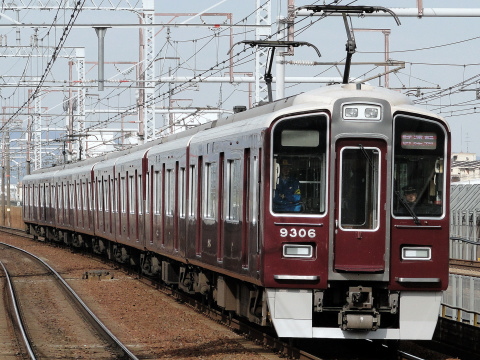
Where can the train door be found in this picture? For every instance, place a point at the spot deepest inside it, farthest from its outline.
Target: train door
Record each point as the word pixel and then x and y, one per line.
pixel 360 198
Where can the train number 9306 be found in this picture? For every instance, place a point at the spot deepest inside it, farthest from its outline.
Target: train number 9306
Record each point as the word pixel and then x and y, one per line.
pixel 297 233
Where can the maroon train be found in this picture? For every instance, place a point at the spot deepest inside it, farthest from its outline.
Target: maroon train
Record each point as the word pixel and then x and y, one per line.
pixel 345 255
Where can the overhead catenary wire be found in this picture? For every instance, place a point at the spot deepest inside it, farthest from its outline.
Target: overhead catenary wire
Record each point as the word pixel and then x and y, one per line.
pixel 63 38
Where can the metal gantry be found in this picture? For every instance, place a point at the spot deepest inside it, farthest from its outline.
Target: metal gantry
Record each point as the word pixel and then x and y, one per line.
pixel 263 17
pixel 149 100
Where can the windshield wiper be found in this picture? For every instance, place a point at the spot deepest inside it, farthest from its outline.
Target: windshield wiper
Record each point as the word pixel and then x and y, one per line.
pixel 409 209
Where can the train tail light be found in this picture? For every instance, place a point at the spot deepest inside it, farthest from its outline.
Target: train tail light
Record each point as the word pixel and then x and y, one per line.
pixel 297 250
pixel 416 253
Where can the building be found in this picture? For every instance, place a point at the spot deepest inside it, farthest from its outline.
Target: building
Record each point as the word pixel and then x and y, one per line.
pixel 465 167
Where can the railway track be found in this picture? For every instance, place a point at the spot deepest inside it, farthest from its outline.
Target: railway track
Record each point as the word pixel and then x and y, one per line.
pixel 465 264
pixel 284 349
pixel 52 320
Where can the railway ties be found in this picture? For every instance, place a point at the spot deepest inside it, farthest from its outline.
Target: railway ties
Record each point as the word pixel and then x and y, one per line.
pixel 51 320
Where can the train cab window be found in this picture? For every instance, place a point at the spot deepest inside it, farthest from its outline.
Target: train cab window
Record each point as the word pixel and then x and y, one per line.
pixel 299 165
pixel 419 163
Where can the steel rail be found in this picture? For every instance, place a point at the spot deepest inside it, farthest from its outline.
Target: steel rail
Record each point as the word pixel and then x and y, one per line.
pixel 18 318
pixel 465 264
pixel 407 356
pixel 87 310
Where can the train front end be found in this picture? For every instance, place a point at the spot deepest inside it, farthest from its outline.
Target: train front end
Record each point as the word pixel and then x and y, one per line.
pixel 356 216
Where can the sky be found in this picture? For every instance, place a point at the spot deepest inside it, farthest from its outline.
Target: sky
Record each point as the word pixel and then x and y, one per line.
pixel 441 73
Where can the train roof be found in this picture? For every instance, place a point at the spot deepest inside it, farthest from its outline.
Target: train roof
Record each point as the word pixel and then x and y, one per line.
pixel 255 119
pixel 324 98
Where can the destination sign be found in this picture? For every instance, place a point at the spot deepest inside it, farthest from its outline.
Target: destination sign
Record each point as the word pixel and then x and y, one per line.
pixel 419 140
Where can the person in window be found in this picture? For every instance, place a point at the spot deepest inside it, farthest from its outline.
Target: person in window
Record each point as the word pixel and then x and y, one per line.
pixel 410 194
pixel 287 193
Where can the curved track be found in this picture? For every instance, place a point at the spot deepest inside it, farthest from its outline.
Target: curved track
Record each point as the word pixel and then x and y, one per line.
pixel 57 324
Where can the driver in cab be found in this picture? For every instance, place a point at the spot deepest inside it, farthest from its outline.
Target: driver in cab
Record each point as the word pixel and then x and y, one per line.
pixel 287 192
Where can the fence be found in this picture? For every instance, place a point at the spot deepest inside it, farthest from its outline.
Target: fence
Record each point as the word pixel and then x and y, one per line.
pixel 461 301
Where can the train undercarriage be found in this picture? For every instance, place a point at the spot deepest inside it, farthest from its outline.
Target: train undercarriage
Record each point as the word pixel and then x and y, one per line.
pixel 229 294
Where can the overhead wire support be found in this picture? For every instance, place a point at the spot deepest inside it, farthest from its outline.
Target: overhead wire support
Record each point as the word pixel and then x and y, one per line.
pixel 272 44
pixel 344 11
pixel 361 10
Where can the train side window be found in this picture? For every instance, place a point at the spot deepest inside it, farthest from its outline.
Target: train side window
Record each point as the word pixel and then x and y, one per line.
pixel 65 196
pixel 113 195
pixel 210 185
pixel 100 195
pixel 52 195
pixel 78 194
pixel 157 193
pixel 255 188
pixel 35 196
pixel 147 193
pixel 65 202
pixel 123 194
pixel 192 196
pixel 60 196
pixel 25 195
pixel 419 163
pixel 233 190
pixel 139 194
pixel 181 192
pixel 298 165
pixel 72 195
pixel 131 194
pixel 169 192
pixel 42 195
pixel 108 194
pixel 83 195
pixel 90 195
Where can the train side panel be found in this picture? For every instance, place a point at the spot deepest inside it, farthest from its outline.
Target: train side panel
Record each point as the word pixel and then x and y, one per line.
pixel 224 219
pixel 104 193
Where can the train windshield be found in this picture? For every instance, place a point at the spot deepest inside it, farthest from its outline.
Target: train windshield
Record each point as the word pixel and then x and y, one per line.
pixel 419 164
pixel 298 165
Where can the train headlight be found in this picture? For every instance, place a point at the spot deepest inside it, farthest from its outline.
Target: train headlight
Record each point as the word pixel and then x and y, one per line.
pixel 297 250
pixel 362 112
pixel 416 253
pixel 351 112
pixel 371 113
